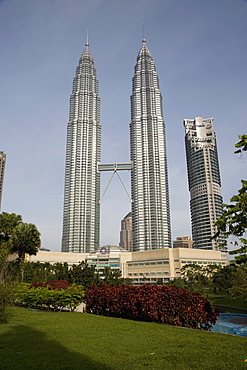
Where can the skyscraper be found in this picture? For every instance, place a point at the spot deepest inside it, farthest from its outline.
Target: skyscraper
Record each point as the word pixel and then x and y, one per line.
pixel 126 233
pixel 2 169
pixel 204 181
pixel 149 177
pixel 81 215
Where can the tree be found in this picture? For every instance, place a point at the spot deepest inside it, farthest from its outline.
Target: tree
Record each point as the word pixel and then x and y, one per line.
pixel 8 221
pixel 223 279
pixel 234 218
pixel 25 239
pixel 239 284
pixel 84 275
pixel 112 277
pixel 194 276
pixel 242 144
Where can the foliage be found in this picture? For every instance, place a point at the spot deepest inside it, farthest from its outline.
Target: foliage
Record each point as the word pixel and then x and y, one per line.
pixel 179 283
pixel 223 279
pixel 15 236
pixel 51 285
pixel 4 301
pixel 242 144
pixel 234 218
pixel 81 274
pixel 4 252
pixel 25 239
pixel 112 277
pixel 84 275
pixel 45 298
pixel 7 224
pixel 162 304
pixel 238 288
pixel 37 271
pixel 195 277
pixel 8 221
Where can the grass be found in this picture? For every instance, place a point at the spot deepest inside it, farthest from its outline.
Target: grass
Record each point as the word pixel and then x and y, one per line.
pixel 222 299
pixel 69 340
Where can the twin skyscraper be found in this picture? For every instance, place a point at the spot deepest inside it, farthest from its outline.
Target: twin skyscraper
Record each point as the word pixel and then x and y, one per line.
pixel 151 227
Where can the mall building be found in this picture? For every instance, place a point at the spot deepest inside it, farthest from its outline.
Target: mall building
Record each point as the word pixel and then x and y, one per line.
pixel 141 267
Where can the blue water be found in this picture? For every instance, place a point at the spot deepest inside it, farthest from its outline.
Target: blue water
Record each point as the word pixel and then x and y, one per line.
pixel 226 327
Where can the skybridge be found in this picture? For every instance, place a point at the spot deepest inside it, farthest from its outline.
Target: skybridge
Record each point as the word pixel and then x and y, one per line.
pixel 115 167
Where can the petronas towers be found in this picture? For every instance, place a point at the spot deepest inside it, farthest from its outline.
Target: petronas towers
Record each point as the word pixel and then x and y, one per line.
pixel 149 180
pixel 81 215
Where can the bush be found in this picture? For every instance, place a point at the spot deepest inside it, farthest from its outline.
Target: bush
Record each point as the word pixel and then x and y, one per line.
pixel 4 301
pixel 52 285
pixel 46 298
pixel 162 304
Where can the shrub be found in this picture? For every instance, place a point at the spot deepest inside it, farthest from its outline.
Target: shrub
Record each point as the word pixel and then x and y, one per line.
pixel 52 285
pixel 162 304
pixel 45 298
pixel 5 293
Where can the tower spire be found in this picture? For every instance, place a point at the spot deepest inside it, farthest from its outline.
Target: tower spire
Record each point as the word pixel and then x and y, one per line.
pixel 143 36
pixel 87 43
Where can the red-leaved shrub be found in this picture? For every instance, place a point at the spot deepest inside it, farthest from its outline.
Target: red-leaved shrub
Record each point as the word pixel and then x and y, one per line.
pixel 52 285
pixel 162 304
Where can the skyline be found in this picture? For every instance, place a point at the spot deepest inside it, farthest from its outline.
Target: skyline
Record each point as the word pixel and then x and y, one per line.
pixel 200 56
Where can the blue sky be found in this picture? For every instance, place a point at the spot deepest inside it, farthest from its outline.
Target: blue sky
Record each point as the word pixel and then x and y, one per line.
pixel 199 49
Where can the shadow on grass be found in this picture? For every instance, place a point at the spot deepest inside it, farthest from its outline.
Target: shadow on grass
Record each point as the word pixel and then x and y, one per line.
pixel 25 348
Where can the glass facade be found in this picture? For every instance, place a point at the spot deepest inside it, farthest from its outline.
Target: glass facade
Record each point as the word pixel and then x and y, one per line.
pixel 204 181
pixel 149 177
pixel 81 215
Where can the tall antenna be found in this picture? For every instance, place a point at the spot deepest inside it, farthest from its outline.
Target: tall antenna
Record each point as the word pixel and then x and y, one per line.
pixel 143 36
pixel 87 44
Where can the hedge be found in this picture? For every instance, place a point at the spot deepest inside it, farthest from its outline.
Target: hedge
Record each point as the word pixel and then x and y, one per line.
pixel 161 304
pixel 45 298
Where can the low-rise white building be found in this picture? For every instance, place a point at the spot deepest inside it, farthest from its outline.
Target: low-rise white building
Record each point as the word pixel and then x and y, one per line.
pixel 144 266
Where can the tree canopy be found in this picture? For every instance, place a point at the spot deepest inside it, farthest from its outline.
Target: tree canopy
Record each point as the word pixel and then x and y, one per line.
pixel 8 221
pixel 234 218
pixel 25 239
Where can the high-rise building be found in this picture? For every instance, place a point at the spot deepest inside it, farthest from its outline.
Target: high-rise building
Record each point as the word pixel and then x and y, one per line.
pixel 149 177
pixel 126 233
pixel 204 181
pixel 81 215
pixel 183 242
pixel 2 169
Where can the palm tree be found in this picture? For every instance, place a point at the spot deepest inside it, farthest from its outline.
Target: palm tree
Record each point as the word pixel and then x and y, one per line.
pixel 8 221
pixel 25 239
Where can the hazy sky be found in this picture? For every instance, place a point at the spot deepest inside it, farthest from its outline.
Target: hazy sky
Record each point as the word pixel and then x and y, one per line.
pixel 200 52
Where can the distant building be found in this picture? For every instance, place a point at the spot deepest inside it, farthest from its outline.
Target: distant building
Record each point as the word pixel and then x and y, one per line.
pixel 183 242
pixel 2 169
pixel 126 233
pixel 204 181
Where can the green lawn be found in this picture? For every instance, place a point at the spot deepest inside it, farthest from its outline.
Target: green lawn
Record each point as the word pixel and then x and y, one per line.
pixel 48 340
pixel 223 299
